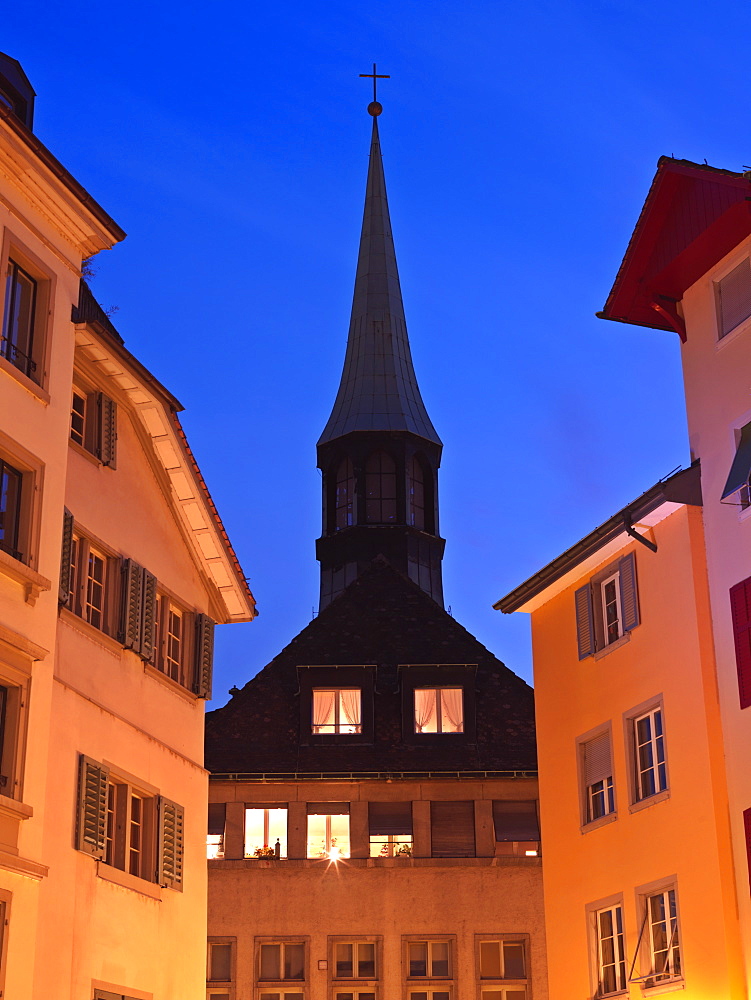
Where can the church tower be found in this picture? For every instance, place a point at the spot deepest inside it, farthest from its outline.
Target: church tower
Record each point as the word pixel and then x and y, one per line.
pixel 379 452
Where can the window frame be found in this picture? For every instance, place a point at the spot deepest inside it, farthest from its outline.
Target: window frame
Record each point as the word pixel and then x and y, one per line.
pixel 267 985
pixel 225 985
pixel 122 789
pixel 590 607
pixel 588 820
pixel 658 768
pixel 98 431
pixel 266 808
pixel 338 711
pixel 649 978
pixel 354 984
pixel 437 675
pixel 16 251
pixel 82 546
pixel 717 280
pixel 317 809
pixel 332 677
pixel 484 984
pixel 182 670
pixel 429 980
pixel 438 710
pixel 31 471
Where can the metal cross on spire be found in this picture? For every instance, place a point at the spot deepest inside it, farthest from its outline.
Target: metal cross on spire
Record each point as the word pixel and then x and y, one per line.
pixel 375 108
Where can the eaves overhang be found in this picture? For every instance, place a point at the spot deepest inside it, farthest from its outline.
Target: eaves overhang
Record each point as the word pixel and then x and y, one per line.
pixel 663 499
pixel 155 410
pixel 694 215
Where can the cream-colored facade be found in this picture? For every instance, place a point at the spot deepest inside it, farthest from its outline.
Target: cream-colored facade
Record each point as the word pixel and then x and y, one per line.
pixel 471 910
pixel 638 876
pixel 113 568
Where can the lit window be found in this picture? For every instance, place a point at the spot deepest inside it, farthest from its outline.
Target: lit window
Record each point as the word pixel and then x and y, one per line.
pixel 429 959
pixel 328 831
pixel 215 833
pixel 517 829
pixel 649 754
pixel 266 832
pixel 337 711
pixel 279 962
pixel 19 319
pixel 439 710
pixel 355 960
pixel 610 951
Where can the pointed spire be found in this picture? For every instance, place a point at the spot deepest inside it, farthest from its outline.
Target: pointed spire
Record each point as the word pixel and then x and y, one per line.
pixel 378 390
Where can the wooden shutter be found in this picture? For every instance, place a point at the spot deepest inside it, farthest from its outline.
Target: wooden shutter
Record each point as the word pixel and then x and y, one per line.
pixel 130 620
pixel 204 660
pixel 148 614
pixel 170 844
pixel 740 604
pixel 107 416
pixel 516 820
pixel 585 625
pixel 91 833
pixel 452 829
pixel 596 762
pixel 386 818
pixel 629 596
pixel 63 593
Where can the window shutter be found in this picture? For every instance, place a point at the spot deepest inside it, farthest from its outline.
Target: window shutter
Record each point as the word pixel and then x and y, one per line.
pixel 130 622
pixel 734 293
pixel 452 829
pixel 740 470
pixel 328 808
pixel 747 831
pixel 585 626
pixel 148 614
pixel 64 590
pixel 107 413
pixel 516 820
pixel 170 844
pixel 629 597
pixel 596 763
pixel 389 818
pixel 740 604
pixel 204 663
pixel 91 833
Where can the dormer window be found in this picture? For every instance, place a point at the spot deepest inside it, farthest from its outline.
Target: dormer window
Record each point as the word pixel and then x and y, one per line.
pixel 337 711
pixel 439 710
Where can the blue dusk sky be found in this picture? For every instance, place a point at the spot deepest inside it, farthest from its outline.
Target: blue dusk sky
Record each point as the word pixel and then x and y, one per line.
pixel 230 141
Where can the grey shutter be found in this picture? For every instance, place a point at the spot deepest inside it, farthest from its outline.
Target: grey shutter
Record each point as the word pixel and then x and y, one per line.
pixel 170 844
pixel 452 829
pixel 596 762
pixel 516 820
pixel 107 414
pixel 740 470
pixel 734 294
pixel 328 808
pixel 63 593
pixel 585 626
pixel 386 818
pixel 204 659
pixel 148 614
pixel 91 832
pixel 130 616
pixel 629 597
pixel 217 818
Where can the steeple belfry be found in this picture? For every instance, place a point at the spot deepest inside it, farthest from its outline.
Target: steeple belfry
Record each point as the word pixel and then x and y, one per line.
pixel 379 452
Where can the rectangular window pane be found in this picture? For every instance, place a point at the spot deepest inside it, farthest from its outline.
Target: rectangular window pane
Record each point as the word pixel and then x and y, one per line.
pixel 440 958
pixel 220 964
pixel 366 961
pixel 490 960
pixel 513 960
pixel 294 961
pixel 10 508
pixel 270 961
pixel 344 961
pixel 418 958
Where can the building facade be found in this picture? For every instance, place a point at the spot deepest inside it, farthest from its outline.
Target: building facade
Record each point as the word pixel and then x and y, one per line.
pixel 373 820
pixel 114 567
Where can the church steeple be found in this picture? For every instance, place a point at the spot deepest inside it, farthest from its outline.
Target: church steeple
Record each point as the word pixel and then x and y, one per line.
pixel 379 452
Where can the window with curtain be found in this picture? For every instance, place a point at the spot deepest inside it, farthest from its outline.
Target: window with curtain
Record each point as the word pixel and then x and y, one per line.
pixel 380 489
pixel 439 710
pixel 337 711
pixel 344 502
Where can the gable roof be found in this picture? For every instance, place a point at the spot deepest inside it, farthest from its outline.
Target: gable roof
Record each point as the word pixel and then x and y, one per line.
pixel 384 619
pixel 693 216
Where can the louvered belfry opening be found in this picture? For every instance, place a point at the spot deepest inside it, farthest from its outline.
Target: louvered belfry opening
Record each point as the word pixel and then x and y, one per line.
pixel 379 452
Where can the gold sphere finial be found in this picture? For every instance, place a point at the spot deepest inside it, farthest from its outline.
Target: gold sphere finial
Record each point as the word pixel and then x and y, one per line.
pixel 375 108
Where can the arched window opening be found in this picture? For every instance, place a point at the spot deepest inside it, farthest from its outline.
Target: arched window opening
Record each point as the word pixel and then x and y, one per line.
pixel 416 488
pixel 344 501
pixel 380 489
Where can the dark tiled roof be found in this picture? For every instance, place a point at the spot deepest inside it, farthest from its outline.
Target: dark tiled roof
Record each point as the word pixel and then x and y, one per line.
pixel 384 619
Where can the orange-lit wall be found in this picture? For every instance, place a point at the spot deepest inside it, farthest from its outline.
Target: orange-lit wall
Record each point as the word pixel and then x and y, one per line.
pixel 718 401
pixel 682 834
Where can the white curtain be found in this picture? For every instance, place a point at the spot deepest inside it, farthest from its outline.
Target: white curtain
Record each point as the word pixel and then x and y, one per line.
pixel 350 707
pixel 323 711
pixel 425 710
pixel 451 710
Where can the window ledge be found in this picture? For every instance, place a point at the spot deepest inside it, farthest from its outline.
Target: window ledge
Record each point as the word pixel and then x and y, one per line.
pixel 503 861
pixel 670 987
pixel 128 881
pixel 17 375
pixel 83 452
pixel 14 808
pixel 611 647
pixel 600 821
pixel 32 582
pixel 23 866
pixel 175 686
pixel 651 800
pixel 96 634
